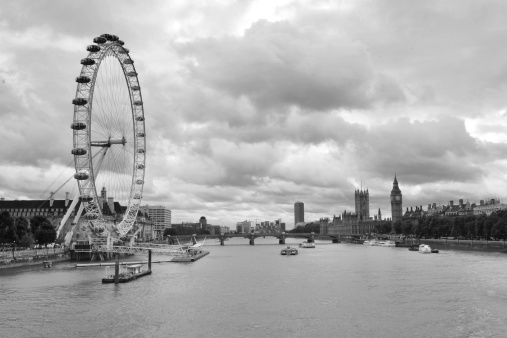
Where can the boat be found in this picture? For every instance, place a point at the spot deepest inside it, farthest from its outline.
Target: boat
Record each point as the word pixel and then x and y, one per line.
pixel 306 244
pixel 387 243
pixel 434 250
pixel 289 251
pixel 132 272
pixel 414 247
pixel 424 248
pixel 366 242
pixel 373 242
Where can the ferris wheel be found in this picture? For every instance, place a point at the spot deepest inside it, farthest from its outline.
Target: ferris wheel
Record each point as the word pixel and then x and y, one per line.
pixel 109 140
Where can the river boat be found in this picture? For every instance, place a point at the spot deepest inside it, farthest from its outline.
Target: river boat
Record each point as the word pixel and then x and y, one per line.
pixel 372 242
pixel 414 247
pixel 434 250
pixel 387 243
pixel 131 272
pixel 307 245
pixel 289 251
pixel 424 248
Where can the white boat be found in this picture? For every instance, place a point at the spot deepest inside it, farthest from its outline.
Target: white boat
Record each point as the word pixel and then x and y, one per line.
pixel 305 244
pixel 387 243
pixel 289 251
pixel 424 248
pixel 373 242
pixel 366 243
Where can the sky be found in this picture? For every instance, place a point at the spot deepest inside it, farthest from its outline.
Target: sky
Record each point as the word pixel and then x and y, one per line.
pixel 253 105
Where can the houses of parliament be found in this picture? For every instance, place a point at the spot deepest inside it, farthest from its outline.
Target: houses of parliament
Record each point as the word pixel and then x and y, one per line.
pixel 360 222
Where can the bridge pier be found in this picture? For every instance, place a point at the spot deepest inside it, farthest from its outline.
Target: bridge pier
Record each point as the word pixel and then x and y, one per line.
pixel 221 239
pixel 252 238
pixel 312 239
pixel 281 240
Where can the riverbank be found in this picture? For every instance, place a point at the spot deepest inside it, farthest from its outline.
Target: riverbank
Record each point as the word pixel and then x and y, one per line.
pixel 36 260
pixel 464 245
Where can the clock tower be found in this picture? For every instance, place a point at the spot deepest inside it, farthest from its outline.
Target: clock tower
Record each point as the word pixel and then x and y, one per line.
pixel 396 202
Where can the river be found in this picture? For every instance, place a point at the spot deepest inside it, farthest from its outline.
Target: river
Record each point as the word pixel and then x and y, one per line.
pixel 344 290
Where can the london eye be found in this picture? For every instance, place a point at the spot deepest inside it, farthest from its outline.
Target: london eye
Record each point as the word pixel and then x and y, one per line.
pixel 109 140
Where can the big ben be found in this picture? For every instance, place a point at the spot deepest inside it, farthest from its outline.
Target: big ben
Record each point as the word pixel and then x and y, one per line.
pixel 396 201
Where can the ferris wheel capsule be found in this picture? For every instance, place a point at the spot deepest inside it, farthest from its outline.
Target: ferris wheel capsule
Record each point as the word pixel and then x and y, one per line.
pixel 78 126
pixel 81 176
pixel 85 198
pixel 128 62
pixel 79 101
pixel 93 48
pixel 78 151
pixel 131 74
pixel 120 42
pixel 135 88
pixel 138 103
pixel 123 50
pixel 87 62
pixel 100 40
pixel 83 79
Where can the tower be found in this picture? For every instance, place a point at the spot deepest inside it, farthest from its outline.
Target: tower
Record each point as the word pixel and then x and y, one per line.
pixel 299 212
pixel 396 202
pixel 362 198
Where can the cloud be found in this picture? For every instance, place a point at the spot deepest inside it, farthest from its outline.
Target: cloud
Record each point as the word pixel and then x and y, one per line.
pixel 251 106
pixel 278 64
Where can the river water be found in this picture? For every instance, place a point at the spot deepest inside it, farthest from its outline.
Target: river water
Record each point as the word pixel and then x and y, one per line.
pixel 344 290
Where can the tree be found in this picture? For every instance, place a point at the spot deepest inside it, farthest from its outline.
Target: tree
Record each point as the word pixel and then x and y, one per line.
pixel 36 221
pixel 7 228
pixel 169 232
pixel 397 227
pixel 45 234
pixel 22 227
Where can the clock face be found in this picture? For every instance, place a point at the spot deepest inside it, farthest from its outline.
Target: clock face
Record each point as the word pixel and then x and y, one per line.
pixel 398 198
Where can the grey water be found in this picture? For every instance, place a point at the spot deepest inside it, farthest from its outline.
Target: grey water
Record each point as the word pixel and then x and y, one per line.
pixel 334 290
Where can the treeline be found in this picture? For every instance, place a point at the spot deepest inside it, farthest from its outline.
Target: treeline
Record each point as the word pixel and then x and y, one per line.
pixel 20 232
pixel 307 228
pixel 182 231
pixel 489 227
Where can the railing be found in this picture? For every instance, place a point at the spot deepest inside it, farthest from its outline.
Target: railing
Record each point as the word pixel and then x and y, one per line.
pixel 168 251
pixel 21 255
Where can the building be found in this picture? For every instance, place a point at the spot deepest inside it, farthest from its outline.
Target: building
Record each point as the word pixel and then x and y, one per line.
pixel 299 212
pixel 453 210
pixel 203 223
pixel 358 223
pixel 362 202
pixel 160 216
pixel 489 207
pixel 244 227
pixel 396 202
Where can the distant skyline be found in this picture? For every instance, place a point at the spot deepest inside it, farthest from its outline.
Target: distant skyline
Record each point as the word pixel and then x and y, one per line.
pixel 251 106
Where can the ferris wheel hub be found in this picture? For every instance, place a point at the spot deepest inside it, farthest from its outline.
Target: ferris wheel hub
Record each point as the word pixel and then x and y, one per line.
pixel 107 143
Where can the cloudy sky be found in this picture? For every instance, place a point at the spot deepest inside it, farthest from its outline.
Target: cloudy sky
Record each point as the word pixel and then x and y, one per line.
pixel 254 105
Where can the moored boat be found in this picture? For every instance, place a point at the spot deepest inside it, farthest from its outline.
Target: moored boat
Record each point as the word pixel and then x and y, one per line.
pixel 424 248
pixel 413 247
pixel 289 251
pixel 434 250
pixel 387 243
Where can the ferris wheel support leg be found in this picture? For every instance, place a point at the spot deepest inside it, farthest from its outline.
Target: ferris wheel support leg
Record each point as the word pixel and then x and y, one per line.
pixel 69 235
pixel 67 214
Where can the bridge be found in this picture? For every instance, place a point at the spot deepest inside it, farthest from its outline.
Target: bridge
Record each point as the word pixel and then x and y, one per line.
pixel 310 237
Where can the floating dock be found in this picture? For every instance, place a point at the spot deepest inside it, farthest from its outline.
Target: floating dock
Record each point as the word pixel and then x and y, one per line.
pixel 192 258
pixel 133 272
